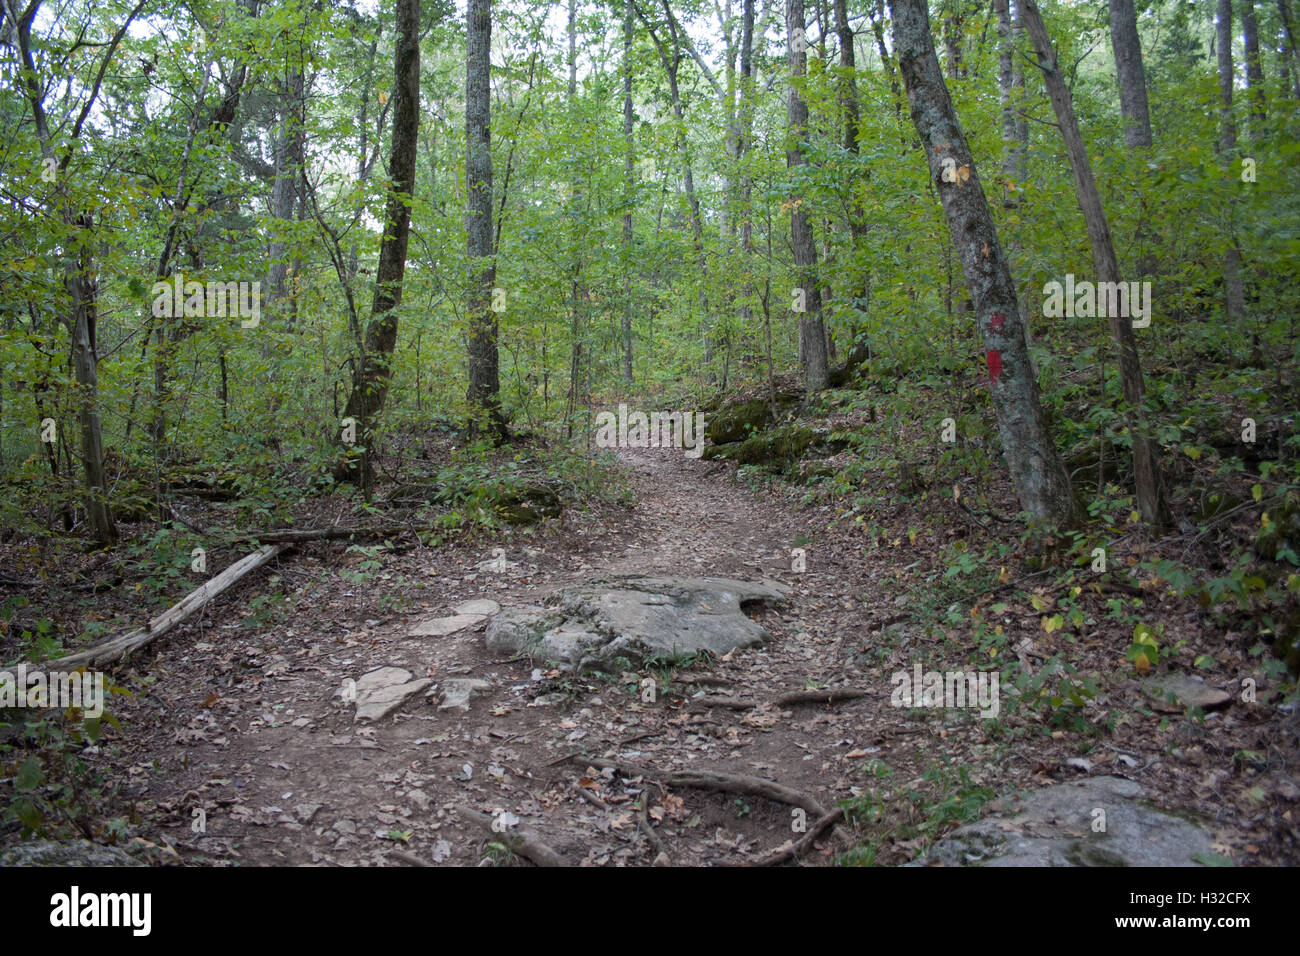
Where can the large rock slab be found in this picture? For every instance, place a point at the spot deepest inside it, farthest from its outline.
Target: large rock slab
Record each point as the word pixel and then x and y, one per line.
pixel 466 614
pixel 636 617
pixel 1058 826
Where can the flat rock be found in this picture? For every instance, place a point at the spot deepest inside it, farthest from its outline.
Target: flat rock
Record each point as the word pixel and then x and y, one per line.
pixel 480 606
pixel 382 691
pixel 466 614
pixel 637 617
pixel 1185 690
pixel 75 853
pixel 456 692
pixel 1055 827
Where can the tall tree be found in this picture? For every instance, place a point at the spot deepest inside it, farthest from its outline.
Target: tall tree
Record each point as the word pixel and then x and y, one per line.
pixel 1234 294
pixel 1145 469
pixel 1037 472
pixel 374 372
pixel 484 378
pixel 1127 47
pixel 812 332
pixel 629 187
pixel 1254 69
pixel 79 268
pixel 848 97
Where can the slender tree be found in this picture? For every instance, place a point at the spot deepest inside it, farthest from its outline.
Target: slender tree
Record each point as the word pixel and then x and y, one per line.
pixel 1037 471
pixel 374 373
pixel 1145 469
pixel 812 332
pixel 484 378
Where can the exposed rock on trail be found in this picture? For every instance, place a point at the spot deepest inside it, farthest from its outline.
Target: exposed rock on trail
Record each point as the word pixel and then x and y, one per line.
pixel 1097 822
pixel 638 618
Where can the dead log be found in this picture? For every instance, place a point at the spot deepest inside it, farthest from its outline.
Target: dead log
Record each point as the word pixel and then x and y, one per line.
pixel 116 648
pixel 299 535
pixel 830 696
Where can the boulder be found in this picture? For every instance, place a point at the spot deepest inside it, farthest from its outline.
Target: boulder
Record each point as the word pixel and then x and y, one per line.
pixel 1096 822
pixel 635 617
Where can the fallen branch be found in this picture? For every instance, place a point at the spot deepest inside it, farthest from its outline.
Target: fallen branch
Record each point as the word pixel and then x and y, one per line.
pixel 299 535
pixel 832 696
pixel 116 648
pixel 519 840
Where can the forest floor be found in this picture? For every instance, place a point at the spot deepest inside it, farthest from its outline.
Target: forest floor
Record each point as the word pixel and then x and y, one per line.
pixel 244 718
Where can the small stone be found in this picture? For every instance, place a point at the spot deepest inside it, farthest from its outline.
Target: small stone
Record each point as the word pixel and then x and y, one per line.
pixel 456 692
pixel 306 812
pixel 1186 691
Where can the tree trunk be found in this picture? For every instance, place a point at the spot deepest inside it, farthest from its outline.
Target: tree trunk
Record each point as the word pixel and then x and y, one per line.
pixel 1254 69
pixel 1234 293
pixel 1037 472
pixel 1145 470
pixel 484 376
pixel 860 288
pixel 1287 13
pixel 373 373
pixel 1127 47
pixel 812 333
pixel 1131 77
pixel 629 188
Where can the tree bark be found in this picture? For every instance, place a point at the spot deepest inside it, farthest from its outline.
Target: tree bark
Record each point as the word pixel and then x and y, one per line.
pixel 1234 293
pixel 1127 47
pixel 1039 476
pixel 484 374
pixel 373 372
pixel 812 331
pixel 1145 469
pixel 860 283
pixel 1254 69
pixel 629 187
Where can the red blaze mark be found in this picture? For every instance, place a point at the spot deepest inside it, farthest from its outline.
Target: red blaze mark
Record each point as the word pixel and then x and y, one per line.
pixel 994 358
pixel 997 319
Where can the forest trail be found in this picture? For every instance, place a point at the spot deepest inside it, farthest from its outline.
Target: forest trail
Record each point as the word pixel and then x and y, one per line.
pixel 249 726
pixel 248 723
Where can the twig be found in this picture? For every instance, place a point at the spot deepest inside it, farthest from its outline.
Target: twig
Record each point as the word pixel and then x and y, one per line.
pixel 643 823
pixel 410 858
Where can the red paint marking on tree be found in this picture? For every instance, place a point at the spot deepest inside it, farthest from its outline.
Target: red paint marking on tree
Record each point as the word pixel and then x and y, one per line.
pixel 997 319
pixel 994 358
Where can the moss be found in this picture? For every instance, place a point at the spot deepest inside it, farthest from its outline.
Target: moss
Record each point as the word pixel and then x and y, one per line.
pixel 776 448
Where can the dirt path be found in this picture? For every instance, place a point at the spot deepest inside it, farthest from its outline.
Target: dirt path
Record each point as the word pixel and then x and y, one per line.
pixel 246 720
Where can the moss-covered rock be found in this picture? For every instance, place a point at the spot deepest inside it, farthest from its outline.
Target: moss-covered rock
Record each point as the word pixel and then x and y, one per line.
pixel 775 448
pixel 737 421
pixel 529 504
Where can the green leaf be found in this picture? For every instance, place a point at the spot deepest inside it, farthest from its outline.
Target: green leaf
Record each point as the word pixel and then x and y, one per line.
pixel 30 775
